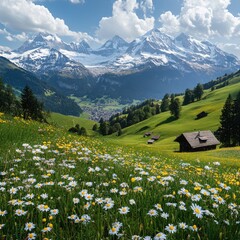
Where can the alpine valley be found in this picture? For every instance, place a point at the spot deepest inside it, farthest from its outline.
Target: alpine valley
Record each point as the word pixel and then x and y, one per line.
pixel 147 67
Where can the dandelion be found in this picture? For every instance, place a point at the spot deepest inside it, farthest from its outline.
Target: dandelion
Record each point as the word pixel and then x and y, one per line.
pixel 29 226
pixel 160 236
pixel 124 210
pixel 152 213
pixel 197 210
pixel 171 228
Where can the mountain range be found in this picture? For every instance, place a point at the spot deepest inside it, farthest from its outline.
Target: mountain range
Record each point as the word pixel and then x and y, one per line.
pixel 148 67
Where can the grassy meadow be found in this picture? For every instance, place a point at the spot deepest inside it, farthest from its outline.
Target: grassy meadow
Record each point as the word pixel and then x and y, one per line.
pixel 56 185
pixel 168 128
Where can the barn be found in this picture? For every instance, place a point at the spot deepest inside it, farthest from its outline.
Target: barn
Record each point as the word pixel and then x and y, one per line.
pixel 197 141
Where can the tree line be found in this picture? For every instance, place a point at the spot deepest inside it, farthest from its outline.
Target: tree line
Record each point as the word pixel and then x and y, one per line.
pixel 229 131
pixel 27 106
pixel 137 113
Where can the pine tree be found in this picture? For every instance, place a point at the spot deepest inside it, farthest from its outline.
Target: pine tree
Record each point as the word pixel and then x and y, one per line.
pixel 31 107
pixel 95 127
pixel 226 121
pixel 165 103
pixel 198 91
pixel 175 107
pixel 188 96
pixel 236 121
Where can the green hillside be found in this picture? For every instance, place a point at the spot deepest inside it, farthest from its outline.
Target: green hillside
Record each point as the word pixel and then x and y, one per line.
pixel 166 126
pixel 67 122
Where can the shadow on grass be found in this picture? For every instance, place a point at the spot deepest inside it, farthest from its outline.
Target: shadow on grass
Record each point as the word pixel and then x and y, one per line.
pixel 168 120
pixel 143 129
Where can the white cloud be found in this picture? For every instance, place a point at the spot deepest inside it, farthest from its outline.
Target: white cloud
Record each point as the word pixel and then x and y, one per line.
pixel 77 1
pixel 147 5
pixel 124 21
pixel 170 23
pixel 25 16
pixel 233 48
pixel 202 18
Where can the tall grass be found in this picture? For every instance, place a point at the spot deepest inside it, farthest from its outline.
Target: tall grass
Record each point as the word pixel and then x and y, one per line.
pixel 58 186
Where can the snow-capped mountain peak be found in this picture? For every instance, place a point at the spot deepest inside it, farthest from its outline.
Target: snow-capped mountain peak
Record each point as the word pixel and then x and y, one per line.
pixel 115 43
pixel 112 46
pixel 43 40
pixel 82 47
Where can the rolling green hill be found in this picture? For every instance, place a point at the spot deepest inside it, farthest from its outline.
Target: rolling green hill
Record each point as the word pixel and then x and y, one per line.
pixel 53 101
pixel 66 122
pixel 169 128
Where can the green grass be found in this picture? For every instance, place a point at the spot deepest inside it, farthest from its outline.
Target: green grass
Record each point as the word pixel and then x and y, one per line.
pixel 169 128
pixel 67 122
pixel 55 167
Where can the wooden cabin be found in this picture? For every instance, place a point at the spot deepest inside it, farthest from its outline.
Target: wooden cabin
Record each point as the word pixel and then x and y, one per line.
pixel 197 141
pixel 150 141
pixel 147 134
pixel 155 138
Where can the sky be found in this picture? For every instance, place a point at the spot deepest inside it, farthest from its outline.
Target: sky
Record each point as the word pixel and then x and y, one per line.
pixel 99 20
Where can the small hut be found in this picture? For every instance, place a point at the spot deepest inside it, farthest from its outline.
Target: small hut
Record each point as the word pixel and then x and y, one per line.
pixel 150 141
pixel 155 138
pixel 147 134
pixel 197 141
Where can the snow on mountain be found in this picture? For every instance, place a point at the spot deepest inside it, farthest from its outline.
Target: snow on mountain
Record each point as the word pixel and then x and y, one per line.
pixel 112 46
pixel 43 40
pixel 152 49
pixel 82 47
pixel 159 49
pixel 155 56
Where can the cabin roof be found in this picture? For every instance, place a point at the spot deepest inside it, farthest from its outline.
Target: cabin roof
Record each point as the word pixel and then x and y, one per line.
pixel 198 139
pixel 155 137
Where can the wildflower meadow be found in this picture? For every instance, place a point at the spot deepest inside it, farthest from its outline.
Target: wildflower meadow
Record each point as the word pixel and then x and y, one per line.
pixel 86 188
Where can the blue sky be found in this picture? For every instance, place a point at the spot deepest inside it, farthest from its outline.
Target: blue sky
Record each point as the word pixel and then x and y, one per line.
pixel 98 20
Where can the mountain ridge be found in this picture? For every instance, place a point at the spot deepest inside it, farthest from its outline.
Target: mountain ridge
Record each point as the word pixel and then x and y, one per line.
pixel 151 64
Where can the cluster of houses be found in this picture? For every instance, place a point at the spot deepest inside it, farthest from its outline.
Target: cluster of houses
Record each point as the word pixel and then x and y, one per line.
pixel 152 139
